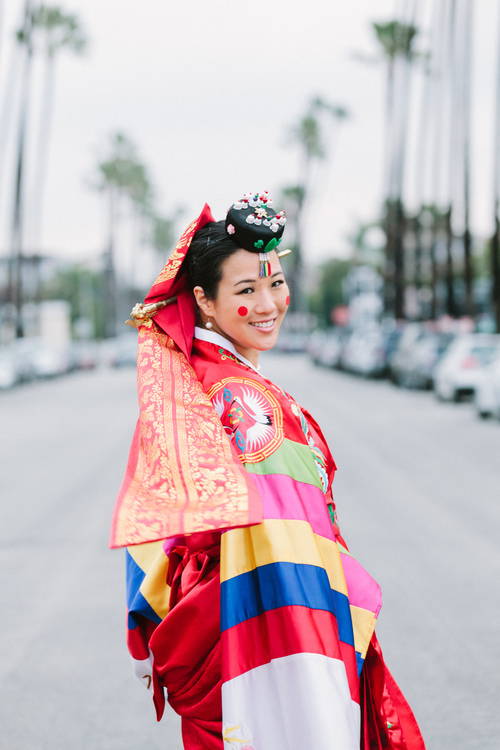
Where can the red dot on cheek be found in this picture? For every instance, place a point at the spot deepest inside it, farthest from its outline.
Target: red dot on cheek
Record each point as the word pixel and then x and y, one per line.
pixel 287 301
pixel 242 311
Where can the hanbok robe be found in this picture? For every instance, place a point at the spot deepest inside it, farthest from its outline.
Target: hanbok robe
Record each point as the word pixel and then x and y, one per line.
pixel 261 635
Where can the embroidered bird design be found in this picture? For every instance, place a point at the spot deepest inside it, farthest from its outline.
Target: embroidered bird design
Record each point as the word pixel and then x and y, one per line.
pixel 246 416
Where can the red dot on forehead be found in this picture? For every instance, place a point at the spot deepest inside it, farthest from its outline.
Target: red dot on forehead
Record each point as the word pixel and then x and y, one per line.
pixel 242 311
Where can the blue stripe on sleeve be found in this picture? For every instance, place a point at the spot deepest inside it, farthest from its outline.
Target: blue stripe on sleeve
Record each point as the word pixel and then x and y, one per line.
pixel 283 584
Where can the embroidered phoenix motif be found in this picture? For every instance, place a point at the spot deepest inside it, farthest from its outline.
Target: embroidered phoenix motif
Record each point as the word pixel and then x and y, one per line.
pixel 250 415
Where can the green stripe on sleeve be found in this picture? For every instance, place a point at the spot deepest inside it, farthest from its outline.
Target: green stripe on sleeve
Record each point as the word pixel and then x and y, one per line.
pixel 292 459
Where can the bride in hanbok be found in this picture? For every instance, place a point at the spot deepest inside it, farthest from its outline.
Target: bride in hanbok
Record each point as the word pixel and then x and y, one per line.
pixel 247 612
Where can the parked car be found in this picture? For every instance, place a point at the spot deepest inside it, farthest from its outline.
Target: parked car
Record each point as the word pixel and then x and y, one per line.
pixel 332 346
pixel 417 371
pixel 364 352
pixel 315 344
pixel 487 392
pixel 391 339
pixel 398 361
pixel 9 374
pixel 459 371
pixel 23 351
pixel 293 342
pixel 50 360
pixel 83 355
pixel 125 351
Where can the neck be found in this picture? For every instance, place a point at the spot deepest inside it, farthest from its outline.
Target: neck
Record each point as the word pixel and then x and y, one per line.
pixel 252 355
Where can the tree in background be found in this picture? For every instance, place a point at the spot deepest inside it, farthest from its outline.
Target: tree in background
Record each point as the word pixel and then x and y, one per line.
pixel 396 40
pixel 455 22
pixel 125 182
pixel 54 32
pixel 15 289
pixel 163 234
pixel 495 240
pixel 60 30
pixel 308 135
pixel 120 176
pixel 83 289
pixel 329 292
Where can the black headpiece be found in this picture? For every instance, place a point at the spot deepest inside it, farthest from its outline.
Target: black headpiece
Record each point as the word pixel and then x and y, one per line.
pixel 255 226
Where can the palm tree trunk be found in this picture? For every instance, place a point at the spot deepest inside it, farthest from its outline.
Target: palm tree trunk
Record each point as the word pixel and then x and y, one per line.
pixel 17 224
pixel 451 306
pixel 467 23
pixel 495 240
pixel 434 272
pixel 388 219
pixel 8 104
pixel 297 294
pixel 422 171
pixel 42 149
pixel 110 291
pixel 438 161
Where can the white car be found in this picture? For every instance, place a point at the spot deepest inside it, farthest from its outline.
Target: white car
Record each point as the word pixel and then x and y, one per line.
pixel 487 394
pixel 460 370
pixel 9 375
pixel 326 347
pixel 364 353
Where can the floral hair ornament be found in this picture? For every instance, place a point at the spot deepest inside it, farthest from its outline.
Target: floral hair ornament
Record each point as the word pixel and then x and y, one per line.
pixel 254 225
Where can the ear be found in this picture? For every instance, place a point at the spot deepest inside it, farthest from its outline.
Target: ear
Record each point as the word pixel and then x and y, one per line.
pixel 206 305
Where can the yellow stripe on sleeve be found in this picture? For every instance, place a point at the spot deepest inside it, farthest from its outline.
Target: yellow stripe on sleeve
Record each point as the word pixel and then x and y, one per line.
pixel 276 540
pixel 151 558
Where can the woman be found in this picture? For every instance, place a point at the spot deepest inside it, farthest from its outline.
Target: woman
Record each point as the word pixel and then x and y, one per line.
pixel 245 606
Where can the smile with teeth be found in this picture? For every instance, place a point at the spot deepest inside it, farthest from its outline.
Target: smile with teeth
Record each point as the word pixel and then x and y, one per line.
pixel 264 324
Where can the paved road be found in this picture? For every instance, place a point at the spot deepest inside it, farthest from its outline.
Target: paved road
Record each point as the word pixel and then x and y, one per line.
pixel 418 496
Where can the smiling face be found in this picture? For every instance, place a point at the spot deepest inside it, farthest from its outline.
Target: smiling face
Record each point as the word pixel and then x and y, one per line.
pixel 247 310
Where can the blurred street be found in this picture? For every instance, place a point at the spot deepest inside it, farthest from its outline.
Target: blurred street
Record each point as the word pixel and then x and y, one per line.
pixel 417 493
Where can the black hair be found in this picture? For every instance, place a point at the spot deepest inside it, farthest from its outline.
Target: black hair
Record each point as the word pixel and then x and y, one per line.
pixel 209 248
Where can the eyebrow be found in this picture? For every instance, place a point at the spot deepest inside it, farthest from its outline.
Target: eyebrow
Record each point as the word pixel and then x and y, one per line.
pixel 252 281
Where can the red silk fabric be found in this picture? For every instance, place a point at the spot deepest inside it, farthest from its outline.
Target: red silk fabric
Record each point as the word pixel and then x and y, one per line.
pixel 183 474
pixel 178 318
pixel 186 645
pixel 186 648
pixel 387 721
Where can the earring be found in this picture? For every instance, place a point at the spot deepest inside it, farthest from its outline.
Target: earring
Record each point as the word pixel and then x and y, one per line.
pixel 208 324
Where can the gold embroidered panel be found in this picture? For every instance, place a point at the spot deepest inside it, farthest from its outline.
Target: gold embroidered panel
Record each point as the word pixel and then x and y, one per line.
pixel 182 475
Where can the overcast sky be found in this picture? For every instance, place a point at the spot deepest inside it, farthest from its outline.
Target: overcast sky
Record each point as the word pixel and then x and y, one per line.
pixel 208 91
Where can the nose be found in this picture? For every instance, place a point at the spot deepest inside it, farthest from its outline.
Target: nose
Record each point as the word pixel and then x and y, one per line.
pixel 265 303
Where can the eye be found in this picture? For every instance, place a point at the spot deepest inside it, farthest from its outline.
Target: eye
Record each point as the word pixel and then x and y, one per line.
pixel 278 282
pixel 247 290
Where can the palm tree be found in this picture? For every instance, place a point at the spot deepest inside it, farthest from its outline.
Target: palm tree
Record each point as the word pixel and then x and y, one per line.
pixel 125 182
pixel 24 36
pixel 140 196
pixel 113 180
pixel 397 41
pixel 291 198
pixel 495 240
pixel 449 21
pixel 55 31
pixel 464 117
pixel 434 211
pixel 308 135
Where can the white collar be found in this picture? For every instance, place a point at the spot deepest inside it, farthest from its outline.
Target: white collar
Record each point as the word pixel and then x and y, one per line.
pixel 204 334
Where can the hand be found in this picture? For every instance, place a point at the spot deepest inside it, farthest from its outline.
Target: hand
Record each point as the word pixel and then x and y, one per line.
pixel 143 670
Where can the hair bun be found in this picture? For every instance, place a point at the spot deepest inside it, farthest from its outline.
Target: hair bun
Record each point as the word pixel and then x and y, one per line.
pixel 254 225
